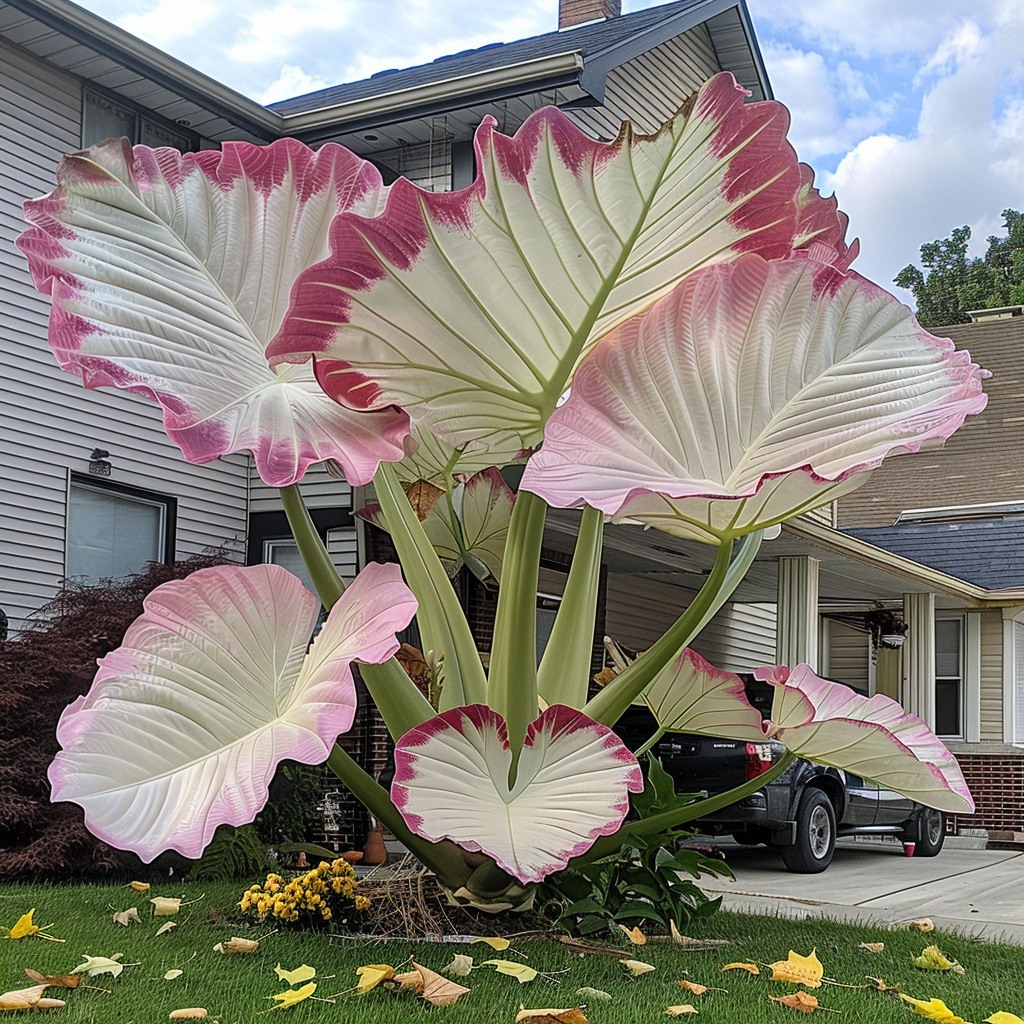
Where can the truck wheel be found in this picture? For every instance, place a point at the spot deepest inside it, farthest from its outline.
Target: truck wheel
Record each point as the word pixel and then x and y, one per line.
pixel 815 835
pixel 927 832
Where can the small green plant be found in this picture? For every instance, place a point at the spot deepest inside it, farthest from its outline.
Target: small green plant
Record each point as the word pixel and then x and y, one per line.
pixel 233 853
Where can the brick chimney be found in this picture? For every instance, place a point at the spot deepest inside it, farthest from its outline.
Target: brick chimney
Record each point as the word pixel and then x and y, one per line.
pixel 577 12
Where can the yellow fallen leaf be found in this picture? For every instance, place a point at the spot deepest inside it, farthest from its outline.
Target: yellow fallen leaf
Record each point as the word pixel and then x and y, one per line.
pixel 573 1015
pixel 521 972
pixel 141 887
pixel 292 996
pixel 802 1001
pixel 460 967
pixel 1002 1017
pixel 752 968
pixel 189 1013
pixel 933 959
pixel 637 967
pixel 800 970
pixel 439 991
pixel 872 947
pixel 175 972
pixel 635 935
pixel 234 946
pixel 26 928
pixel 165 906
pixel 697 990
pixel 296 977
pixel 371 975
pixel 54 981
pixel 925 924
pixel 496 943
pixel 933 1009
pixel 678 1011
pixel 28 999
pixel 125 917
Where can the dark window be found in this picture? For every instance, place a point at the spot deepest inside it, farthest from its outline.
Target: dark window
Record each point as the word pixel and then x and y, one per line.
pixel 949 676
pixel 104 117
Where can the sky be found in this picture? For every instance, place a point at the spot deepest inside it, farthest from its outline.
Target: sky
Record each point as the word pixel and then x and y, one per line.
pixel 911 111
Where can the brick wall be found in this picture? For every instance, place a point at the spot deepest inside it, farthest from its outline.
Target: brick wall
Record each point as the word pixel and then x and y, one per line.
pixel 997 783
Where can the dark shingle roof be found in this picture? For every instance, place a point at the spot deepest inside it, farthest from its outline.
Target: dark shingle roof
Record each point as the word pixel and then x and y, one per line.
pixel 589 39
pixel 986 552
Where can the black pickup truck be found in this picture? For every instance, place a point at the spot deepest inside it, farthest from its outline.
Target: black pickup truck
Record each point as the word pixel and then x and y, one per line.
pixel 802 812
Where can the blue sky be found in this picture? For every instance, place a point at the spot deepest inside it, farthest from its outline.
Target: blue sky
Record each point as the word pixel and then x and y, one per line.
pixel 912 111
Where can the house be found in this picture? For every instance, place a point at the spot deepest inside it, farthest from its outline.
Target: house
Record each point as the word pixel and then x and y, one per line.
pixel 93 488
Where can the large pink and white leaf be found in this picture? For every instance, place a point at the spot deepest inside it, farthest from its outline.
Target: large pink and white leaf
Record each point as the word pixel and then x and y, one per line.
pixel 870 736
pixel 471 309
pixel 215 684
pixel 754 391
pixel 169 275
pixel 691 695
pixel 572 785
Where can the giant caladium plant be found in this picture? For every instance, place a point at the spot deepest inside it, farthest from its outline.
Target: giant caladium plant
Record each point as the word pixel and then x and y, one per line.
pixel 665 329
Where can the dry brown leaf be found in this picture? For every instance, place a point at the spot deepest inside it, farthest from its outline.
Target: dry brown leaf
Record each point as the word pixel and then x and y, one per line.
pixel 439 991
pixel 872 947
pixel 410 979
pixel 585 947
pixel 28 999
pixel 635 935
pixel 54 981
pixel 679 1011
pixel 800 970
pixel 140 886
pixel 881 986
pixel 687 943
pixel 189 1013
pixel 698 990
pixel 573 1015
pixel 751 968
pixel 802 1001
pixel 925 924
pixel 422 496
pixel 235 945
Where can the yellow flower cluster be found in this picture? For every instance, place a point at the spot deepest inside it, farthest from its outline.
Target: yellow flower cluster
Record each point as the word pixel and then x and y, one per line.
pixel 318 895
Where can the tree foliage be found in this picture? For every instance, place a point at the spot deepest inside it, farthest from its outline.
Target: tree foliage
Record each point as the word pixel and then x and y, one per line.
pixel 953 283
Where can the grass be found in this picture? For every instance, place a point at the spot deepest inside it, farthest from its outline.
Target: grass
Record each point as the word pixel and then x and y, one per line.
pixel 235 989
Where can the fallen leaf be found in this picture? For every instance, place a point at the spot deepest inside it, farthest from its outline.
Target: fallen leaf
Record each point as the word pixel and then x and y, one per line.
pixel 933 959
pixel 585 947
pixel 752 968
pixel 26 928
pixel 97 965
pixel 521 972
pixel 189 1013
pixel 933 1009
pixel 573 1015
pixel 697 990
pixel 679 1011
pixel 1002 1017
pixel 166 927
pixel 140 886
pixel 594 994
pixel 925 924
pixel 28 999
pixel 296 977
pixel 439 991
pixel 460 967
pixel 125 917
pixel 291 996
pixel 410 979
pixel 635 935
pixel 371 975
pixel 175 972
pixel 234 945
pixel 684 940
pixel 165 906
pixel 637 967
pixel 881 986
pixel 55 981
pixel 800 970
pixel 802 1001
pixel 499 945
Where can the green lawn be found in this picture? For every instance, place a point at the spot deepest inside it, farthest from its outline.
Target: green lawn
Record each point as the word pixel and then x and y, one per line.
pixel 235 989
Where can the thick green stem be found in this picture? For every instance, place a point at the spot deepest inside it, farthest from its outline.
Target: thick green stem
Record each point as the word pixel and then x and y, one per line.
pixel 444 859
pixel 564 672
pixel 609 705
pixel 512 686
pixel 442 622
pixel 681 815
pixel 325 578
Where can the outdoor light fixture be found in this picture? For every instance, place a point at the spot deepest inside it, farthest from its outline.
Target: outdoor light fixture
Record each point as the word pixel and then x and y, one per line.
pixel 98 465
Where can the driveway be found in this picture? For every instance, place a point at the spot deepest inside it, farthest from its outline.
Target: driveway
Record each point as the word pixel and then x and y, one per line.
pixel 969 890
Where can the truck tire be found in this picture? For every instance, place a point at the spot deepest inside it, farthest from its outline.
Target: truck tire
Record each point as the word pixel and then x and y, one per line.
pixel 815 835
pixel 927 832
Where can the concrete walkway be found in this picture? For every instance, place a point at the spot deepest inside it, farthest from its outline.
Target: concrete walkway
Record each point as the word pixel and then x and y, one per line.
pixel 968 890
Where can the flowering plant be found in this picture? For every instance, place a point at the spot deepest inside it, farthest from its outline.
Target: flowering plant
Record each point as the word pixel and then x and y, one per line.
pixel 325 893
pixel 665 330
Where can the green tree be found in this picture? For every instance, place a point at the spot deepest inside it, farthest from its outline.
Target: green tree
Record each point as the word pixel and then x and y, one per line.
pixel 952 283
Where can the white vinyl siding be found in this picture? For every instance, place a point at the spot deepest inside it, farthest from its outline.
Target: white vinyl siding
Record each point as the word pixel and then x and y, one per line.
pixel 51 423
pixel 991 702
pixel 1018 682
pixel 740 638
pixel 846 654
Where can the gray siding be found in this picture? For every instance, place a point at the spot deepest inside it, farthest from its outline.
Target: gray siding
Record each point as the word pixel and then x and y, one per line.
pixel 740 638
pixel 992 676
pixel 846 654
pixel 50 422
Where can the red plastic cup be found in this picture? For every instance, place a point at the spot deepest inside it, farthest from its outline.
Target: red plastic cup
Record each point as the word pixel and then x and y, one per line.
pixel 908 849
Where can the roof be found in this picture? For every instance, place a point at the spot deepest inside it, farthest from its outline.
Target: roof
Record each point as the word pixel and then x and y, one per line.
pixel 601 45
pixel 987 552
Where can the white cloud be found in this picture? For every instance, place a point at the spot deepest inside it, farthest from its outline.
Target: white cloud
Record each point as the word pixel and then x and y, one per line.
pixel 291 82
pixel 164 23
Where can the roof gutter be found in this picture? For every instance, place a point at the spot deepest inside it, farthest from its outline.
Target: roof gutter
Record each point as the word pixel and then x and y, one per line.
pixel 879 558
pixel 556 69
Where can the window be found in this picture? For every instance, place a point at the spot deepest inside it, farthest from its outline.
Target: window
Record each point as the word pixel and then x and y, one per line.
pixel 113 532
pixel 106 118
pixel 285 553
pixel 949 676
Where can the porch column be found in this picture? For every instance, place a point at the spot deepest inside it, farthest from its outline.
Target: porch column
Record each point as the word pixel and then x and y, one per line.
pixel 919 656
pixel 796 634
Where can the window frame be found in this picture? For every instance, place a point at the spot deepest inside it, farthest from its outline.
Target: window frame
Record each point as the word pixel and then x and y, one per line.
pixel 140 116
pixel 961 679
